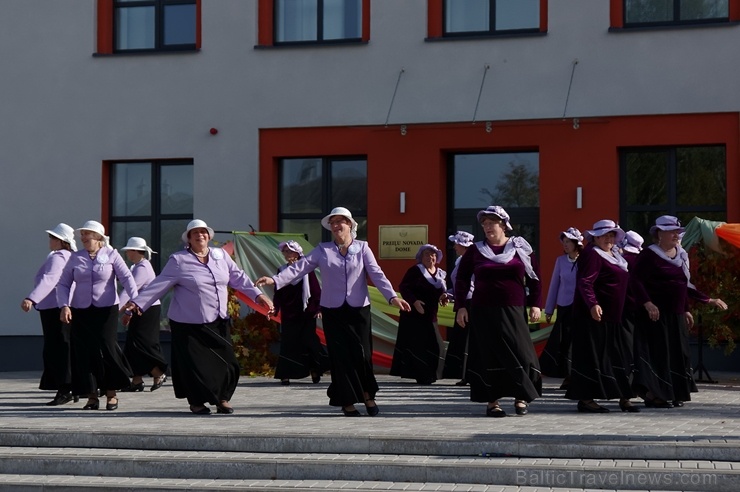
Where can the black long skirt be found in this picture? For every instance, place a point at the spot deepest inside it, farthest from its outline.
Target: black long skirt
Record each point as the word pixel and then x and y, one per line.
pixel 98 362
pixel 501 359
pixel 57 373
pixel 142 348
pixel 598 370
pixel 204 366
pixel 418 350
pixel 663 358
pixel 301 352
pixel 555 360
pixel 350 347
pixel 457 351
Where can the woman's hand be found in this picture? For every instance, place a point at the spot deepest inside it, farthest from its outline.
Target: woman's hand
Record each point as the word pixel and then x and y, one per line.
pixel 718 303
pixel 652 310
pixel 126 318
pixel 66 315
pixel 534 314
pixel 419 306
pixel 265 301
pixel 444 299
pixel 26 305
pixel 400 304
pixel 264 281
pixel 462 317
pixel 689 320
pixel 548 318
pixel 596 312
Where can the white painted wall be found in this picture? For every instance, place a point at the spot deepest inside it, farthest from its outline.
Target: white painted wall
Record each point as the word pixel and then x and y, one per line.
pixel 63 111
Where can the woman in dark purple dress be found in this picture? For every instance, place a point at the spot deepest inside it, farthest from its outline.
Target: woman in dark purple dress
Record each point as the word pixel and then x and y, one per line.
pixel 501 359
pixel 598 361
pixel 301 353
pixel 419 351
pixel 662 285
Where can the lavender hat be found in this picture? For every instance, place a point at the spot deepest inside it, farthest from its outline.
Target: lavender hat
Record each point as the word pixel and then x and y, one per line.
pixel 605 226
pixel 573 234
pixel 291 245
pixel 498 211
pixel 667 223
pixel 433 248
pixel 632 242
pixel 462 238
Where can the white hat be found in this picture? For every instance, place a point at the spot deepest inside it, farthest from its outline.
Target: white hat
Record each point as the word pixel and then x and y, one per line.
pixel 605 226
pixel 573 234
pixel 95 226
pixel 344 213
pixel 632 242
pixel 462 238
pixel 64 233
pixel 666 223
pixel 426 247
pixel 196 224
pixel 291 245
pixel 139 244
pixel 496 210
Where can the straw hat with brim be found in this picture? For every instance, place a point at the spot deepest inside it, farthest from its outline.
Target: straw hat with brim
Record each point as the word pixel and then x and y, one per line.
pixel 495 211
pixel 604 227
pixel 666 223
pixel 97 227
pixel 196 224
pixel 139 244
pixel 338 211
pixel 425 247
pixel 573 234
pixel 292 246
pixel 462 238
pixel 65 233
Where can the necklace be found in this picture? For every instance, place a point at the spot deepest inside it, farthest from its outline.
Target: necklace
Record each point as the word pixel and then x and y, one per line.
pixel 201 255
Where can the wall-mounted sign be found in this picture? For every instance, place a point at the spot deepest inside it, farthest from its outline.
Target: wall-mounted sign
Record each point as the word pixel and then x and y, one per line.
pixel 401 241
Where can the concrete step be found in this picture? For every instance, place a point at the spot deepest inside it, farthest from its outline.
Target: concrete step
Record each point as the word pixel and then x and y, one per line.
pixel 422 469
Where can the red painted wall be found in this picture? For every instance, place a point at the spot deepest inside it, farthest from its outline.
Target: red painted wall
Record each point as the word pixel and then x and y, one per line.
pixel 416 163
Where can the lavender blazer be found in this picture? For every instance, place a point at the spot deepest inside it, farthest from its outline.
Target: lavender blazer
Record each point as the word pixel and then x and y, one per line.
pixel 143 275
pixel 44 295
pixel 562 284
pixel 344 277
pixel 95 280
pixel 199 290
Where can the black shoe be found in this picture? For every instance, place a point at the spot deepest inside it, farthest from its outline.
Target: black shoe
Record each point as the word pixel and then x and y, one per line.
pixel 61 399
pixel 351 413
pixel 92 405
pixel 315 377
pixel 677 403
pixel 285 382
pixel 495 411
pixel 627 406
pixel 156 384
pixel 657 403
pixel 202 411
pixel 134 388
pixel 585 408
pixel 565 384
pixel 462 382
pixel 425 382
pixel 519 409
pixel 371 411
pixel 222 409
pixel 112 406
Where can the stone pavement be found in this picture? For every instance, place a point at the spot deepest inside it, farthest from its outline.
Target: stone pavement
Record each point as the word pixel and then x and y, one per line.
pixel 425 438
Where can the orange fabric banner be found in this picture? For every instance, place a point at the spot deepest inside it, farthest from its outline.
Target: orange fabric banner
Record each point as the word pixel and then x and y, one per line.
pixel 730 233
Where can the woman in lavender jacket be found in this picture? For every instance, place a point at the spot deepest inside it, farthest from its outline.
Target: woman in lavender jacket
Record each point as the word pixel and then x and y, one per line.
pixel 98 364
pixel 43 297
pixel 345 263
pixel 204 366
pixel 555 358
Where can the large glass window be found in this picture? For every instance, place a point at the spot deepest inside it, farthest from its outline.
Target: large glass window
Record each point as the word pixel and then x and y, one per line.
pixel 507 179
pixel 668 12
pixel 312 21
pixel 481 17
pixel 154 25
pixel 153 200
pixel 681 181
pixel 311 187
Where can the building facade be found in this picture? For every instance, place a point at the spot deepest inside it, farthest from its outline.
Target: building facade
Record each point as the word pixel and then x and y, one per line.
pixel 267 113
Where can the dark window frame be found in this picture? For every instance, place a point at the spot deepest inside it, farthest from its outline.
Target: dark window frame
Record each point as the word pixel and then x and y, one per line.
pixel 159 18
pixel 676 18
pixel 156 217
pixel 326 189
pixel 319 28
pixel 492 31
